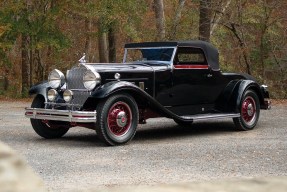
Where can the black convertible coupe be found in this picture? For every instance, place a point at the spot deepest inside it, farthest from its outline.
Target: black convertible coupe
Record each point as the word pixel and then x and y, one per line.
pixel 178 80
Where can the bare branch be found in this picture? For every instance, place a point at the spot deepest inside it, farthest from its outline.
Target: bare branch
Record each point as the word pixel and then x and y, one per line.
pixel 177 18
pixel 217 20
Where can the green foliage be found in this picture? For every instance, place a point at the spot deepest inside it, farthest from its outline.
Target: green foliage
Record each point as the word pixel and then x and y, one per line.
pixel 36 21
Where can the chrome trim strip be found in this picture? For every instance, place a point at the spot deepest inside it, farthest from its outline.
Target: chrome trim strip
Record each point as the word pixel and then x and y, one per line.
pixel 211 116
pixel 172 59
pixel 131 79
pixel 81 90
pixel 61 115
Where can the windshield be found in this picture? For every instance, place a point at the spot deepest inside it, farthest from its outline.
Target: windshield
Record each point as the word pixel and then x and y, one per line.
pixel 149 54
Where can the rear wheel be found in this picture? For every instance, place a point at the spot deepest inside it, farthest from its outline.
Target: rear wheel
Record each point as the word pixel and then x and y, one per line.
pixel 117 119
pixel 44 129
pixel 249 111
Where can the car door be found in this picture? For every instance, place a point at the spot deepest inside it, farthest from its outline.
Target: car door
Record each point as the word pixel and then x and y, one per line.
pixel 194 85
pixel 191 78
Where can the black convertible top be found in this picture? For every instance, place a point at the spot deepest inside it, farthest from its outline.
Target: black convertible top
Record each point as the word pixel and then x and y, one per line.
pixel 209 50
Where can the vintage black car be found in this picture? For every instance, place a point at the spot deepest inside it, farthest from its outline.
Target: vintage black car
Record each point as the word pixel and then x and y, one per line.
pixel 178 80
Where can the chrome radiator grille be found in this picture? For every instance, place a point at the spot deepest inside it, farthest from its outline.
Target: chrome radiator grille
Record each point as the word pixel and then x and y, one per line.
pixel 75 83
pixel 75 78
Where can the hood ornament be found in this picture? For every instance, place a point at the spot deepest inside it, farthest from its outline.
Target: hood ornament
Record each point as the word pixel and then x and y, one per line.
pixel 83 59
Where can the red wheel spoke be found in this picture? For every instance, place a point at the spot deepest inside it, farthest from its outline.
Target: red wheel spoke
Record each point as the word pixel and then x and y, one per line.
pixel 248 110
pixel 119 118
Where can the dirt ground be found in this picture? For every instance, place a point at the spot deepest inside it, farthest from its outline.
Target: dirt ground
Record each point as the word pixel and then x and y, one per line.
pixel 161 152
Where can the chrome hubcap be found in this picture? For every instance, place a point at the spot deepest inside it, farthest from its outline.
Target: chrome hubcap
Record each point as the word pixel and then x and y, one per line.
pixel 250 110
pixel 122 119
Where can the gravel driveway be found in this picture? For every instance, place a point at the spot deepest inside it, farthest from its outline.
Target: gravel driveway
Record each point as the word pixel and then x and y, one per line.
pixel 161 152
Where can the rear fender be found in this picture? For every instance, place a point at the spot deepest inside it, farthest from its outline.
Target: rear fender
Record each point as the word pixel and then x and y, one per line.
pixel 230 98
pixel 225 102
pixel 249 85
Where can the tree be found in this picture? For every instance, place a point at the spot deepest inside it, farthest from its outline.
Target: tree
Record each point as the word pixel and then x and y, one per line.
pixel 102 43
pixel 36 36
pixel 204 20
pixel 219 15
pixel 159 19
pixel 177 18
pixel 33 22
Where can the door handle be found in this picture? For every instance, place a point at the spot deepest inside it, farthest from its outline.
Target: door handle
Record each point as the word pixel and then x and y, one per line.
pixel 209 75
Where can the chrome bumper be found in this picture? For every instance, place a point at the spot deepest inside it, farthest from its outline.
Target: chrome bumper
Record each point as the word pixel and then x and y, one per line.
pixel 61 115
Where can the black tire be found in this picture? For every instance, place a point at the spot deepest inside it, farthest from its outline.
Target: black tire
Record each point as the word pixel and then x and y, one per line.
pixel 117 119
pixel 249 111
pixel 41 128
pixel 182 123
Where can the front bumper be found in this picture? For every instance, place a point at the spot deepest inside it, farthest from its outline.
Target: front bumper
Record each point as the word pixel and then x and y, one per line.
pixel 62 115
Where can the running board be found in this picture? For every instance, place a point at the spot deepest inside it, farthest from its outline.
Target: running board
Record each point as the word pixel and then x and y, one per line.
pixel 210 116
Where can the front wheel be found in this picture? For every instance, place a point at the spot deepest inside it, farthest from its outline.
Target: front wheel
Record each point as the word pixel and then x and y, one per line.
pixel 117 119
pixel 249 111
pixel 44 129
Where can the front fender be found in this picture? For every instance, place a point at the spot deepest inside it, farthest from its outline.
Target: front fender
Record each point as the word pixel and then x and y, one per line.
pixel 115 86
pixel 40 89
pixel 142 98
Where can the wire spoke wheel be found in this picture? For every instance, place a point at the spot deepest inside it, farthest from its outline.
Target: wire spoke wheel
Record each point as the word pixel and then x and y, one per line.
pixel 117 119
pixel 249 111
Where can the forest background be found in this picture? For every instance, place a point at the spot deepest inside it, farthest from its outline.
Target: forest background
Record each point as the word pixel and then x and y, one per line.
pixel 37 36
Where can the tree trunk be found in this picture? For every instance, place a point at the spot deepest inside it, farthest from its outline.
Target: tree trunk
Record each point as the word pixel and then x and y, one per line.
pixel 39 67
pixel 31 63
pixel 177 19
pixel 112 44
pixel 102 42
pixel 88 43
pixel 204 20
pixel 160 19
pixel 102 46
pixel 25 64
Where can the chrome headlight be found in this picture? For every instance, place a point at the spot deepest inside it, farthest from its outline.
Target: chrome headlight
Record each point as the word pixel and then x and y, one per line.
pixel 52 95
pixel 68 95
pixel 91 79
pixel 56 79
